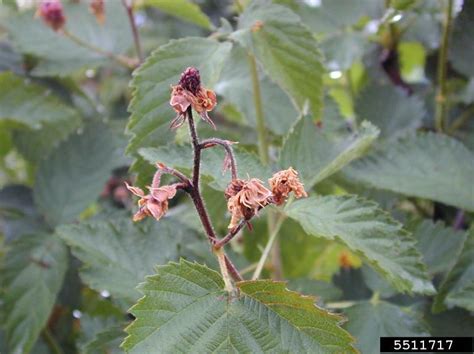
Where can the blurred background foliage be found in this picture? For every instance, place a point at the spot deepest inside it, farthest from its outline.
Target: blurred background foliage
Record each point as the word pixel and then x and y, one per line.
pixel 64 160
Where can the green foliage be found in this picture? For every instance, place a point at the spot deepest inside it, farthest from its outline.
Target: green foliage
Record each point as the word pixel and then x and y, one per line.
pixel 458 286
pixel 186 308
pixel 365 228
pixel 117 254
pixel 33 274
pixel 462 48
pixel 417 165
pixel 74 173
pixel 318 153
pixel 372 320
pixel 59 55
pixel 287 50
pixel 183 9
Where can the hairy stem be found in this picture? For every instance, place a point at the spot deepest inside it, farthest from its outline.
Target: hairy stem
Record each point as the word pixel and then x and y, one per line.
pixel 232 269
pixel 227 145
pixel 122 60
pixel 441 99
pixel 133 25
pixel 225 240
pixel 195 190
pixel 221 257
pixel 257 97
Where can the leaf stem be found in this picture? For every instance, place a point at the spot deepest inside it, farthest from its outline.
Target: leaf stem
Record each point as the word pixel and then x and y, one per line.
pixel 122 60
pixel 225 240
pixel 441 99
pixel 224 270
pixel 51 341
pixel 257 97
pixel 268 247
pixel 133 25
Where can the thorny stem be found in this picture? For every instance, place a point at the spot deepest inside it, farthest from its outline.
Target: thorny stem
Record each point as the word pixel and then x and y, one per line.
pixel 136 38
pixel 228 148
pixel 441 99
pixel 122 60
pixel 171 171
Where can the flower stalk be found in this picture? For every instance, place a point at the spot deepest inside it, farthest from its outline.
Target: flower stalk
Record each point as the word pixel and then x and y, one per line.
pixel 245 198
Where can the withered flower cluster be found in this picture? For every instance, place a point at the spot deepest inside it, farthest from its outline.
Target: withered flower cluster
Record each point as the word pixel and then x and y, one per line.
pixel 190 93
pixel 245 198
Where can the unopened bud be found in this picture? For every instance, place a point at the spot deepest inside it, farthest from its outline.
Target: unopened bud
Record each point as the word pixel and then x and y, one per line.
pixel 52 13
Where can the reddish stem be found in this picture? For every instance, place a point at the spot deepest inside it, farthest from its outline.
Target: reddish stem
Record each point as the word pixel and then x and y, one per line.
pixel 228 148
pixel 232 269
pixel 232 233
pixel 133 25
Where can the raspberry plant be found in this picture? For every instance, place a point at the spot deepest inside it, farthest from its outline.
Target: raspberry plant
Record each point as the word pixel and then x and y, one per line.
pixel 247 176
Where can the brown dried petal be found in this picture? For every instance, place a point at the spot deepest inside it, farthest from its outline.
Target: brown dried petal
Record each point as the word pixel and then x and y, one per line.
pixel 284 182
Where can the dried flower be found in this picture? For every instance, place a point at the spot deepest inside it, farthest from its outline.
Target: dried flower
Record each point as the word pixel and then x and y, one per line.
pixel 245 198
pixel 52 13
pixel 284 182
pixel 189 92
pixel 97 7
pixel 155 203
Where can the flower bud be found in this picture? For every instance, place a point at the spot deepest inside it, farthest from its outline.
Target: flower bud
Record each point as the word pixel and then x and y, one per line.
pixel 52 13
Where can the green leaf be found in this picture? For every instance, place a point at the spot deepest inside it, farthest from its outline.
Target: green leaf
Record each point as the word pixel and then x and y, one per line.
pixel 184 9
pixel 118 254
pixel 342 49
pixel 461 47
pixel 366 229
pixel 30 107
pixel 286 48
pixel 418 165
pixel 33 275
pixel 458 287
pixel 316 153
pixel 74 174
pixel 61 56
pixel 370 321
pixel 185 308
pixel 211 163
pixel 390 109
pixel 151 112
pixel 235 80
pixel 439 245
